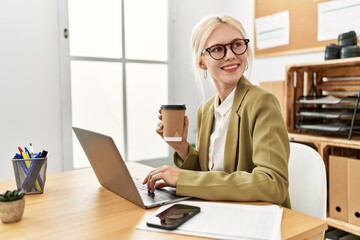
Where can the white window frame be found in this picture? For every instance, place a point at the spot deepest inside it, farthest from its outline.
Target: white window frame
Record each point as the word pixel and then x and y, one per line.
pixel 65 60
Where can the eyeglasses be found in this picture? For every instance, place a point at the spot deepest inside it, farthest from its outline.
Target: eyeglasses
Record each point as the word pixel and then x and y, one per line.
pixel 237 46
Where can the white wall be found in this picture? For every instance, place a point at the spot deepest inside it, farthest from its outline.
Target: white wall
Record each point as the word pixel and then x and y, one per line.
pixel 30 96
pixel 34 93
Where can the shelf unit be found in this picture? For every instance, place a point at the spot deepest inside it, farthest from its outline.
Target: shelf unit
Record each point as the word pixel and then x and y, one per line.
pixel 323 98
pixel 334 80
pixel 347 227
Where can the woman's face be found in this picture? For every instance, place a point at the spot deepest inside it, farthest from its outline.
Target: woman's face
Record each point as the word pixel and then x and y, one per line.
pixel 227 71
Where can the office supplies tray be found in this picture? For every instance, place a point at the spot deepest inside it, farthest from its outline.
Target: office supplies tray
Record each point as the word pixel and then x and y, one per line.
pixel 329 99
pixel 328 113
pixel 329 127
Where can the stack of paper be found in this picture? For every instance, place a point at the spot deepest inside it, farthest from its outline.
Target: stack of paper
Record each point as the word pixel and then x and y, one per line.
pixel 230 221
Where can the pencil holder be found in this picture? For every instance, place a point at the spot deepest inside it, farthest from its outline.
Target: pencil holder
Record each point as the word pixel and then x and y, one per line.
pixel 30 174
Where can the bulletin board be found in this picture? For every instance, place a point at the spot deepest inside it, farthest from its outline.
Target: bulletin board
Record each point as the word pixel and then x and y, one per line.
pixel 303 26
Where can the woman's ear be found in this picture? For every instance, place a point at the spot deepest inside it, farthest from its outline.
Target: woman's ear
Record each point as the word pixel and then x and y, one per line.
pixel 202 66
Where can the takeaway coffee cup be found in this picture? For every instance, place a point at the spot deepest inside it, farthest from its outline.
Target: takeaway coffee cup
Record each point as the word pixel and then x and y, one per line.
pixel 173 122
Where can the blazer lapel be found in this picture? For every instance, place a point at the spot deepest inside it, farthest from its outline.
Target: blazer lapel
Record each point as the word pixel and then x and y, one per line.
pixel 232 135
pixel 205 137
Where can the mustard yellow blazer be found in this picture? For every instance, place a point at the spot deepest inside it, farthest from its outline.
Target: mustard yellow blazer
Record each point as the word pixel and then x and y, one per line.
pixel 256 152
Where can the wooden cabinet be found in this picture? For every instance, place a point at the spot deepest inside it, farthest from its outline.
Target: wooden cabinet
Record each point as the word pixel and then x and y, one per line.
pixel 321 109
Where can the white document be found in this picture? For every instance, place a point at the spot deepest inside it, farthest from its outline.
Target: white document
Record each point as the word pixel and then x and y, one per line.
pixel 336 17
pixel 229 221
pixel 273 30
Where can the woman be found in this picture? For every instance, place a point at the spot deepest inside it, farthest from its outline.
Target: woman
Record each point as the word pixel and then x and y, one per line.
pixel 242 147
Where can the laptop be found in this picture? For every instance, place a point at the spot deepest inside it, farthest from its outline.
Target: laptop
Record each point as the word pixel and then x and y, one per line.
pixel 112 173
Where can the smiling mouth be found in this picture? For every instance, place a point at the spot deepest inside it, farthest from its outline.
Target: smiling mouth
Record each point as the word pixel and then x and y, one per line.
pixel 232 67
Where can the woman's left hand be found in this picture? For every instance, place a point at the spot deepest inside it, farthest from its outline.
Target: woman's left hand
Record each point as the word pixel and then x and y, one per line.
pixel 168 175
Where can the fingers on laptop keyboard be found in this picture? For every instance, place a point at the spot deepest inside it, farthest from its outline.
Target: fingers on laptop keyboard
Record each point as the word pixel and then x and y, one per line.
pixel 151 194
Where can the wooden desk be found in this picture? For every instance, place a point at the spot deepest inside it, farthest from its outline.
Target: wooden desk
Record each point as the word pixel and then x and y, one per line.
pixel 75 206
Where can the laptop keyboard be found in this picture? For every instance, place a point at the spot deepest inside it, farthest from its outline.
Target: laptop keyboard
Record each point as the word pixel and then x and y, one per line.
pixel 158 196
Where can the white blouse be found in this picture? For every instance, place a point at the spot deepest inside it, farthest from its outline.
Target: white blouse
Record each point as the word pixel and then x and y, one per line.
pixel 218 133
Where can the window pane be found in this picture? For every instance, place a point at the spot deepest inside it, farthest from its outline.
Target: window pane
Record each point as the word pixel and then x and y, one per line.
pixel 146 29
pixel 95 28
pixel 146 90
pixel 97 102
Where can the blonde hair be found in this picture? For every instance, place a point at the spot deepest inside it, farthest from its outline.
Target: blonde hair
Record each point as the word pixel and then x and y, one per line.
pixel 201 33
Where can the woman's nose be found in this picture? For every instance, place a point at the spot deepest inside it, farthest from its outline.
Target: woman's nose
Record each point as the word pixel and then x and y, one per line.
pixel 229 53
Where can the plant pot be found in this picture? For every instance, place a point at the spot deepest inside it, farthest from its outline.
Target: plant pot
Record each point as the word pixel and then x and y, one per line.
pixel 12 211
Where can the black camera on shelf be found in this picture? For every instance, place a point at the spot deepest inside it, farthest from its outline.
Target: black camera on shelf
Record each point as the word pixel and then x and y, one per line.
pixel 346 48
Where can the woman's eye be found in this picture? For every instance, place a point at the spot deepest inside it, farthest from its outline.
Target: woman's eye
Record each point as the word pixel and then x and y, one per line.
pixel 217 49
pixel 237 44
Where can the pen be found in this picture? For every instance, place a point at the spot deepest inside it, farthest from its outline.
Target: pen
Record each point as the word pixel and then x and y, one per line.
pixel 33 178
pixel 20 150
pixel 22 156
pixel 25 167
pixel 18 156
pixel 28 152
pixel 25 156
pixel 38 155
pixel 31 149
pixel 44 154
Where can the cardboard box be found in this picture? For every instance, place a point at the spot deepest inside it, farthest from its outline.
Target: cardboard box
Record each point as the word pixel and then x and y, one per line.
pixel 354 191
pixel 278 89
pixel 338 188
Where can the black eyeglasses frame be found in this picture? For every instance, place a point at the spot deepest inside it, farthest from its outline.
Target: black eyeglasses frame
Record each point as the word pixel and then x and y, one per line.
pixel 225 47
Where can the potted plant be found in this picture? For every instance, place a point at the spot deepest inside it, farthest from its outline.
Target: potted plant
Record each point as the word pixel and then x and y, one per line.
pixel 12 204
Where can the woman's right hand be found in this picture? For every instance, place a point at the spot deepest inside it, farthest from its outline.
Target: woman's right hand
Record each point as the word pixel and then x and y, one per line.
pixel 182 148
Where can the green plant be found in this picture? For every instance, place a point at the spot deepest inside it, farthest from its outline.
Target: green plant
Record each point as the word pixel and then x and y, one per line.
pixel 12 195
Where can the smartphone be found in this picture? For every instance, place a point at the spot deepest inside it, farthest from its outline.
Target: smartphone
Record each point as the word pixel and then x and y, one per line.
pixel 172 217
